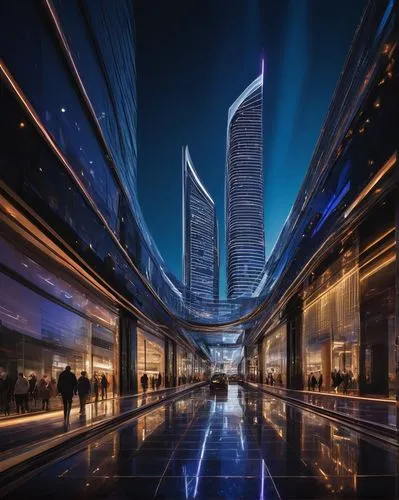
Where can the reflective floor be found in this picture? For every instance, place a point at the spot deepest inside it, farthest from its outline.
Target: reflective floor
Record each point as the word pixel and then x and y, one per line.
pixel 242 445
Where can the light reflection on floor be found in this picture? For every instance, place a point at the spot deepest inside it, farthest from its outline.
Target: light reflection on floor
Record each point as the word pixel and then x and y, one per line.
pixel 240 445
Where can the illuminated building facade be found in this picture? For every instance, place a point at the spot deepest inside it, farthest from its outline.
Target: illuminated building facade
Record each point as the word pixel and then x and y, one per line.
pixel 245 239
pixel 200 234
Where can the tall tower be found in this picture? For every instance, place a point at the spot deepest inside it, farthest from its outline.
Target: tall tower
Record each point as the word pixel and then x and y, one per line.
pixel 245 238
pixel 200 234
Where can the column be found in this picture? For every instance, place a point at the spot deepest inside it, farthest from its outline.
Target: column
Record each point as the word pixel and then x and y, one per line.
pixel 128 353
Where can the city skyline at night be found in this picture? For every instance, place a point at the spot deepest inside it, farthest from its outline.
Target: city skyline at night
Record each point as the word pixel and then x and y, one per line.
pixel 192 83
pixel 139 375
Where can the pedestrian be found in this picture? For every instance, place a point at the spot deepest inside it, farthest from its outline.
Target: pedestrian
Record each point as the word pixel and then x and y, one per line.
pixel 313 382
pixel 67 387
pixel 338 380
pixel 6 388
pixel 52 387
pixel 144 382
pixel 104 386
pixel 159 380
pixel 309 381
pixel 21 390
pixel 44 392
pixel 279 379
pixel 153 382
pixel 320 381
pixel 33 388
pixel 345 382
pixel 96 387
pixel 84 389
pixel 334 380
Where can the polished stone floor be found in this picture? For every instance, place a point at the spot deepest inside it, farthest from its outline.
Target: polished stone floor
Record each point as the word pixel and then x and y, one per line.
pixel 245 444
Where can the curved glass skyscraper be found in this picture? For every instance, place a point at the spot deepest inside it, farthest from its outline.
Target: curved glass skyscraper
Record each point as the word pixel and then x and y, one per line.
pixel 245 240
pixel 200 234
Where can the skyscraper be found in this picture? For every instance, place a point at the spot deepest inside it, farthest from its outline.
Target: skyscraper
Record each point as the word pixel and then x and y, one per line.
pixel 200 234
pixel 245 240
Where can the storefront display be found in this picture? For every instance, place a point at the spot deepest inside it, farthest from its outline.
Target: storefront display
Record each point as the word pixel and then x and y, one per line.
pixel 42 337
pixel 275 356
pixel 150 361
pixel 331 326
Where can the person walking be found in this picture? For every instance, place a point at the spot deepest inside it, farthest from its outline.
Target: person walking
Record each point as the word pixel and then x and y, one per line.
pixel 313 382
pixel 84 389
pixel 96 387
pixel 33 388
pixel 104 386
pixel 320 381
pixel 21 389
pixel 44 392
pixel 153 382
pixel 67 387
pixel 159 380
pixel 309 381
pixel 144 382
pixel 6 388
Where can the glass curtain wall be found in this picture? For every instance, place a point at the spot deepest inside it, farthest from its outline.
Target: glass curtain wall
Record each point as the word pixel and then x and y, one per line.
pixel 275 356
pixel 41 336
pixel 331 325
pixel 150 361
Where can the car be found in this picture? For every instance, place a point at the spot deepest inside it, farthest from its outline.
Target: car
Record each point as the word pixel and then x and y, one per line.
pixel 219 381
pixel 233 378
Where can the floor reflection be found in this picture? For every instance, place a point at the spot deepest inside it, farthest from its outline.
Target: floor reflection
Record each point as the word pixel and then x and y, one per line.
pixel 242 444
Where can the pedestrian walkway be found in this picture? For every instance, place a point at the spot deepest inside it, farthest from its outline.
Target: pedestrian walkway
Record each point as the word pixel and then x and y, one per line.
pixel 379 413
pixel 22 438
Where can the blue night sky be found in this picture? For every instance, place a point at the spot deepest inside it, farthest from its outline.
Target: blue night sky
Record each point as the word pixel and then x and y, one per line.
pixel 193 59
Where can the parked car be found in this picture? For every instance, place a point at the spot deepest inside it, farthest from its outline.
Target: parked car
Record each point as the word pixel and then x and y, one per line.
pixel 233 378
pixel 219 381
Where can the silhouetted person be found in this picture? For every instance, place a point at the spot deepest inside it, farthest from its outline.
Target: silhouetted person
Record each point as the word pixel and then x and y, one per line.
pixel 104 386
pixel 96 387
pixel 33 387
pixel 84 389
pixel 144 382
pixel 309 381
pixel 21 390
pixel 313 382
pixel 320 382
pixel 338 380
pixel 44 392
pixel 6 388
pixel 67 387
pixel 345 382
pixel 159 380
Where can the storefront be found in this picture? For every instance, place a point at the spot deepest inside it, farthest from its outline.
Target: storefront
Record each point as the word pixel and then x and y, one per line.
pixel 252 364
pixel 150 360
pixel 331 324
pixel 274 356
pixel 48 322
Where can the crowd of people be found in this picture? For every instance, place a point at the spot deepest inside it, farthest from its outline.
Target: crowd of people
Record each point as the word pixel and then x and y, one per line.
pixel 156 381
pixel 32 394
pixel 339 379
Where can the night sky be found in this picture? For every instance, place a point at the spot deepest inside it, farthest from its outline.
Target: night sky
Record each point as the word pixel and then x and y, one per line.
pixel 193 59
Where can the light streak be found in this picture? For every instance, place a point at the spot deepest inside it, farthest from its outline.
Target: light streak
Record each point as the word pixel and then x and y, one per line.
pixel 380 174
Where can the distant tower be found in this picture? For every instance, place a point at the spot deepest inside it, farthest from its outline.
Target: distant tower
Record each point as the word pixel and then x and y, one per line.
pixel 245 238
pixel 200 234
